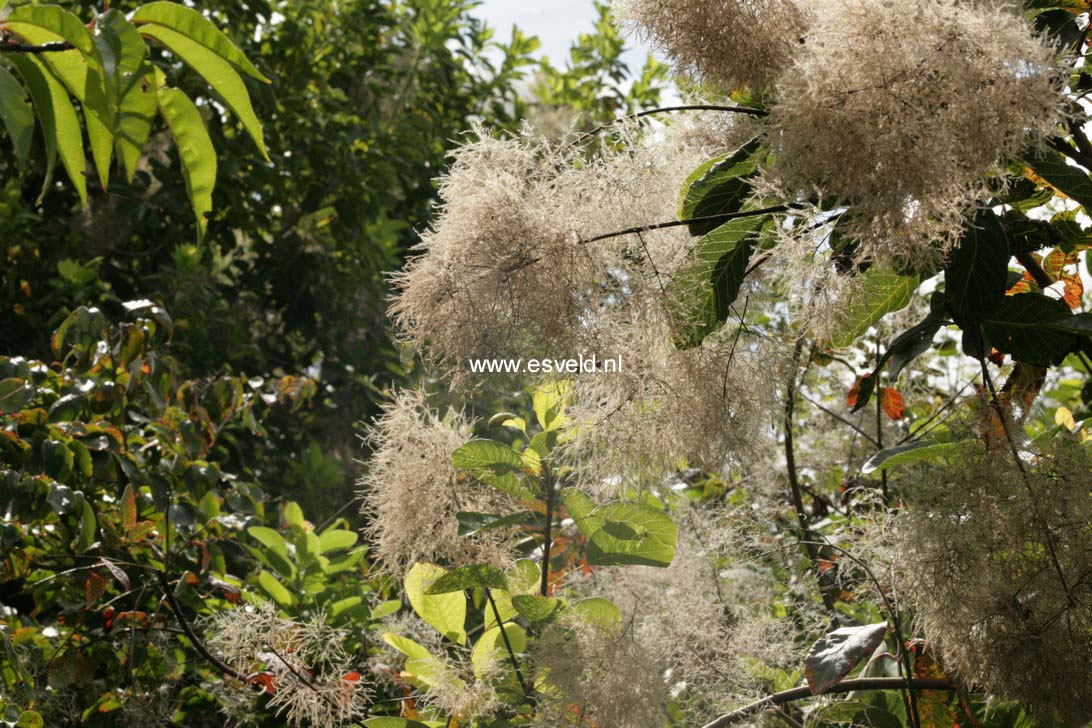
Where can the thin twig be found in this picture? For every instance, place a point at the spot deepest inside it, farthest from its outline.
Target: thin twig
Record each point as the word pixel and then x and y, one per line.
pixel 507 644
pixel 723 217
pixel 751 111
pixel 11 46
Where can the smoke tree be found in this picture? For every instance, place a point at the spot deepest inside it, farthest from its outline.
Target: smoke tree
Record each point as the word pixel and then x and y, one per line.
pixel 843 475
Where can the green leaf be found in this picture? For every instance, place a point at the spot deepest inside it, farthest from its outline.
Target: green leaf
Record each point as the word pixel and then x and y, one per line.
pixel 469 577
pixel 270 539
pixel 194 148
pixel 598 611
pixel 336 539
pixel 548 400
pixel 977 271
pixel 535 608
pixel 581 509
pixel 422 669
pixel 88 528
pixel 58 21
pixel 916 452
pixel 710 278
pixel 60 125
pixel 136 112
pixel 910 344
pixel 833 656
pixel 444 612
pixel 523 577
pixel 471 523
pixel 293 514
pixel 14 393
pixel 217 72
pixel 275 589
pixel 877 294
pixel 632 534
pixel 1023 326
pixel 17 114
pixel 719 186
pixel 198 28
pixel 488 454
pixel 393 723
pixel 490 647
pixel 1069 179
pixel 1080 324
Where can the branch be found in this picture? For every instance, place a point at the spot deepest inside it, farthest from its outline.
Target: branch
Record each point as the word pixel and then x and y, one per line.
pixel 723 217
pixel 11 46
pixel 507 644
pixel 191 636
pixel 846 686
pixel 548 485
pixel 749 110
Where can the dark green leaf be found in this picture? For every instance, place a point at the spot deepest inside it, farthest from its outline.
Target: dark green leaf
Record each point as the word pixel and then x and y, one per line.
pixel 1054 168
pixel 975 277
pixel 720 186
pixel 17 114
pixel 1024 327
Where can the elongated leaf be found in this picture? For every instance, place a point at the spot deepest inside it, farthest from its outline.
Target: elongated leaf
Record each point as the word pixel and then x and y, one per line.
pixel 275 589
pixel 445 612
pixel 196 26
pixel 833 657
pixel 471 523
pixel 710 279
pixel 58 21
pixel 336 540
pixel 217 72
pixel 88 528
pixel 270 539
pixel 632 534
pixel 386 722
pixel 1022 326
pixel 1080 324
pixel 915 452
pixel 60 124
pixel 17 114
pixel 194 148
pixel 468 577
pixel 128 509
pixel 877 294
pixel 719 186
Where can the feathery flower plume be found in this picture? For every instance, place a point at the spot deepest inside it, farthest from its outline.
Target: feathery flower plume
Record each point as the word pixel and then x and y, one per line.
pixel 412 492
pixel 670 408
pixel 1000 574
pixel 918 103
pixel 725 43
pixel 312 679
pixel 596 673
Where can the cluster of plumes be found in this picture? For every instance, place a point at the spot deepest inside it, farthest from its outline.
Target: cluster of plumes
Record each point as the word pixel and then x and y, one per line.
pixel 999 571
pixel 594 673
pixel 412 493
pixel 903 110
pixel 706 618
pixel 670 408
pixel 723 43
pixel 312 681
pixel 507 269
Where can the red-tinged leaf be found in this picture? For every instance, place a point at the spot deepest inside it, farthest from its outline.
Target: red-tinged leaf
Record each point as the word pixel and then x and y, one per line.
pixel 191 579
pixel 1053 263
pixel 1026 284
pixel 128 509
pixel 115 570
pixel 108 617
pixel 1074 290
pixel 206 557
pixel 892 404
pixel 94 588
pixel 854 392
pixel 230 591
pixel 265 680
pixel 140 618
pixel 351 677
pixel 996 357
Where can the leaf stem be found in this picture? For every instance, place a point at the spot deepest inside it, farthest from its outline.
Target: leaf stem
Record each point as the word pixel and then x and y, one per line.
pixel 507 644
pixel 548 486
pixel 11 46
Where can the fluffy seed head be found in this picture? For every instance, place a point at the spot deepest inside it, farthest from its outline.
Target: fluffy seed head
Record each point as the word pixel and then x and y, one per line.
pixel 902 110
pixel 725 43
pixel 412 492
pixel 1001 577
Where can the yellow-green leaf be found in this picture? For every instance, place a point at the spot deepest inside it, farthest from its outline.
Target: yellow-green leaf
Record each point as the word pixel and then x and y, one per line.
pixel 444 612
pixel 196 26
pixel 217 72
pixel 195 149
pixel 58 21
pixel 274 588
pixel 17 115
